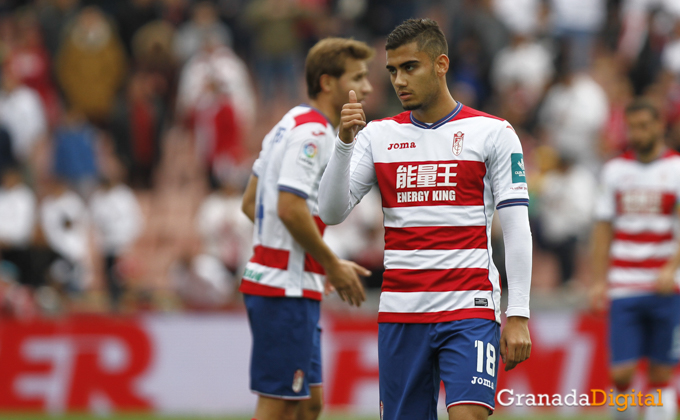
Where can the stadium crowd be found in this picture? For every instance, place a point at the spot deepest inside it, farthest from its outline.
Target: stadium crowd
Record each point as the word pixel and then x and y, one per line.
pixel 128 130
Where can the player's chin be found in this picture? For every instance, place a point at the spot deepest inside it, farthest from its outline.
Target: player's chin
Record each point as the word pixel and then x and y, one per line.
pixel 410 106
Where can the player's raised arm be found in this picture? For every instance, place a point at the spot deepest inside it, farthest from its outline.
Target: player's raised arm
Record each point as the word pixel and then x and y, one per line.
pixel 350 173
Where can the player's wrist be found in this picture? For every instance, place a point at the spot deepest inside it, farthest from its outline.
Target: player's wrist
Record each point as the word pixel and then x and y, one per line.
pixel 517 319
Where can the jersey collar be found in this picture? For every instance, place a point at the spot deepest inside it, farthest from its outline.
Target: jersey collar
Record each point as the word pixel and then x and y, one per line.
pixel 439 123
pixel 318 112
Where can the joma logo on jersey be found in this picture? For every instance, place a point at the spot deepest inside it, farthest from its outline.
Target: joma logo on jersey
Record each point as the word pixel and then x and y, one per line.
pixel 405 145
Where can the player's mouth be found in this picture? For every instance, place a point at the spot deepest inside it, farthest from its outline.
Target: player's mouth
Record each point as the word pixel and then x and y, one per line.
pixel 405 95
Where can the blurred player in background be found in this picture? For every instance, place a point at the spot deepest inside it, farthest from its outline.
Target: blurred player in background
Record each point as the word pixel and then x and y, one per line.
pixel 635 250
pixel 283 282
pixel 442 169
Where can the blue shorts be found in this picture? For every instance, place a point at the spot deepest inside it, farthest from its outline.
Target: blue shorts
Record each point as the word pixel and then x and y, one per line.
pixel 645 326
pixel 286 355
pixel 414 358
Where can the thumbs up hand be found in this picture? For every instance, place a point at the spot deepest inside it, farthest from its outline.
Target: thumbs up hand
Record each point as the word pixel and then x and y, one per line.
pixel 352 119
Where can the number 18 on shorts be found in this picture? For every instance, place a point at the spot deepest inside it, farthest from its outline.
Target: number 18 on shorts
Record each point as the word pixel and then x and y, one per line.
pixel 416 358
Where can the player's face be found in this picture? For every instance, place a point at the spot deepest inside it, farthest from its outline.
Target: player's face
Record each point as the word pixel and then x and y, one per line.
pixel 354 78
pixel 413 76
pixel 644 131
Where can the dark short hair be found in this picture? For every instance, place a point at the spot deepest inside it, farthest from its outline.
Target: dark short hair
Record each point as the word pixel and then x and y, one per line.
pixel 425 32
pixel 642 104
pixel 328 56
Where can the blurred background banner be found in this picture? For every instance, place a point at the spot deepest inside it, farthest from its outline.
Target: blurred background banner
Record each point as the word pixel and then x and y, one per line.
pixel 178 364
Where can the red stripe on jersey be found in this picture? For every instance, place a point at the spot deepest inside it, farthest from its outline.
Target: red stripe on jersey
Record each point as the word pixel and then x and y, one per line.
pixel 450 280
pixel 312 116
pixel 270 257
pixel 643 236
pixel 436 237
pixel 251 288
pixel 278 258
pixel 431 183
pixel 467 112
pixel 312 266
pixel 645 202
pixel 432 317
pixel 320 224
pixel 649 263
pixel 402 118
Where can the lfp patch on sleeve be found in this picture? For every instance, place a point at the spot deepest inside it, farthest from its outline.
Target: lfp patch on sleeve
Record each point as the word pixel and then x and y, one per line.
pixel 517 167
pixel 308 152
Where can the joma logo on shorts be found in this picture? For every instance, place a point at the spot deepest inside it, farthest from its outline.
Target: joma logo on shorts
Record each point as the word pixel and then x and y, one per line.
pixel 405 145
pixel 482 381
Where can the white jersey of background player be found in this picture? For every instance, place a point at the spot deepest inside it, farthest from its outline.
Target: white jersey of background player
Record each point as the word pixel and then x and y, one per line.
pixel 283 282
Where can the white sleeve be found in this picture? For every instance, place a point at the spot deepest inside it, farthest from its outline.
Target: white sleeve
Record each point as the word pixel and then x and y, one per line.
pixel 518 247
pixel 605 206
pixel 302 161
pixel 349 176
pixel 506 170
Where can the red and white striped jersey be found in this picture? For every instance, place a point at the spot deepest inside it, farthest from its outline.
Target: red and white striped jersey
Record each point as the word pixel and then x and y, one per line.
pixel 640 201
pixel 440 184
pixel 294 154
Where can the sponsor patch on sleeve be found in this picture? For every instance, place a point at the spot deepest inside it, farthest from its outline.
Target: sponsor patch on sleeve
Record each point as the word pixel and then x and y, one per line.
pixel 308 152
pixel 517 168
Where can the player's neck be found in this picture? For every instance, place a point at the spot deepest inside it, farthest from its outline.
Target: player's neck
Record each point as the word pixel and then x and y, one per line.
pixel 327 109
pixel 652 154
pixel 440 108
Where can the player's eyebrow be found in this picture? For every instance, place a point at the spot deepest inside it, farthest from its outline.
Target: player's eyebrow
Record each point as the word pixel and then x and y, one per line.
pixel 404 64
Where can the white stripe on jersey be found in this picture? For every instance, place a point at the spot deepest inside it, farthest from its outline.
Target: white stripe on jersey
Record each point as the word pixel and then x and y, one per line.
pixel 436 259
pixel 638 251
pixel 620 276
pixel 403 302
pixel 400 217
pixel 657 223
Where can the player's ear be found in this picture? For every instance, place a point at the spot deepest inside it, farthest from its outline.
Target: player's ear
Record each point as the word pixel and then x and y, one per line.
pixel 441 65
pixel 327 82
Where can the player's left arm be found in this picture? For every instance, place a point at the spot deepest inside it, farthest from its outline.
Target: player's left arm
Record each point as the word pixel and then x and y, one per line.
pixel 665 283
pixel 508 181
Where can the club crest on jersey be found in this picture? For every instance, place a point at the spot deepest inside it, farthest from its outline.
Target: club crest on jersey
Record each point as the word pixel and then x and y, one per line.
pixel 382 410
pixel 298 380
pixel 457 143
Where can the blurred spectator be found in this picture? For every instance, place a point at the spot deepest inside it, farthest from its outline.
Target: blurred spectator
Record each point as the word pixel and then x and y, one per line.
pixel 277 46
pixel 7 158
pixel 566 196
pixel 74 152
pixel 64 222
pixel 18 208
pixel 30 63
pixel 54 15
pixel 152 49
pixel 670 57
pixel 215 95
pixel 22 114
pixel 573 115
pixel 525 64
pixel 201 282
pixel 91 65
pixel 136 125
pixel 117 220
pixel 132 15
pixel 225 231
pixel 205 22
pixel 521 16
pixel 577 23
